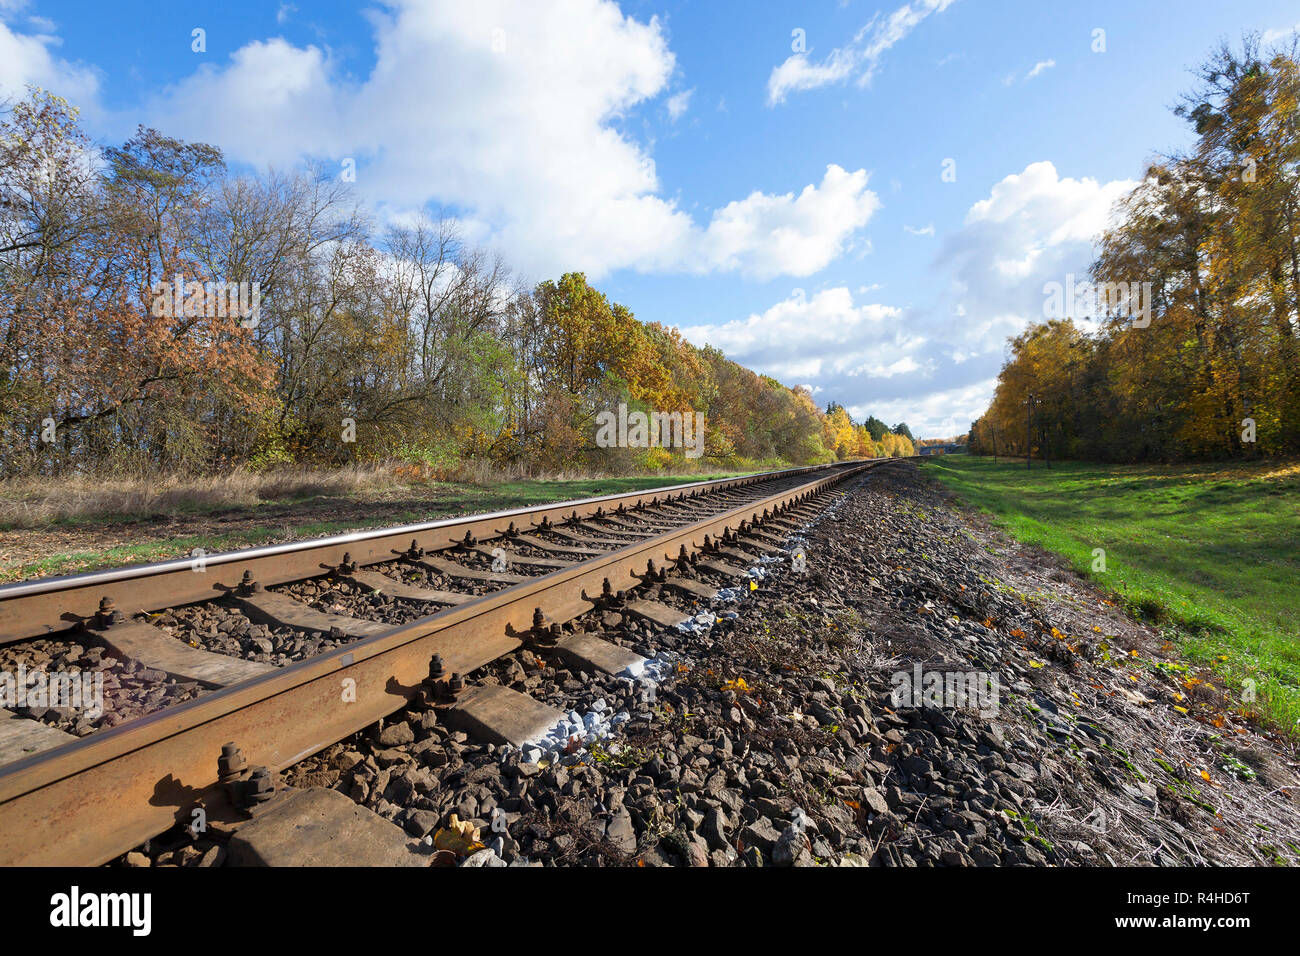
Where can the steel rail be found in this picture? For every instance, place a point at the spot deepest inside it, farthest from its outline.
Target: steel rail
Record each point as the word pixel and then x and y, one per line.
pixel 47 606
pixel 90 800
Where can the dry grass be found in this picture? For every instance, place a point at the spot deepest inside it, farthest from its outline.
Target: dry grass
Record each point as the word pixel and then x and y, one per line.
pixel 31 502
pixel 34 502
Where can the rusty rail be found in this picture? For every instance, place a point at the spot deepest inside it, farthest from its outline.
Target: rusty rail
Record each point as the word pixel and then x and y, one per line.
pixel 91 800
pixel 47 606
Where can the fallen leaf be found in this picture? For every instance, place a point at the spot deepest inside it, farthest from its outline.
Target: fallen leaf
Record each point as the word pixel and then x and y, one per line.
pixel 462 838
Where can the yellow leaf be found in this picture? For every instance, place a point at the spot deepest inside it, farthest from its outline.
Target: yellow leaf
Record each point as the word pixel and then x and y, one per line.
pixel 462 838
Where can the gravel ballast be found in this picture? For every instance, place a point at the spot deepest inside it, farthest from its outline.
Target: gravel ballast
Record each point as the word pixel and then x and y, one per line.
pixel 926 692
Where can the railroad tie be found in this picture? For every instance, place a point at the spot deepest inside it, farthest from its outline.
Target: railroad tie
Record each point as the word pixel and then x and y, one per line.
pixel 720 567
pixel 587 652
pixel 656 613
pixel 499 715
pixel 450 568
pixel 21 737
pixel 545 545
pixel 318 827
pixel 690 586
pixel 156 648
pixel 767 540
pixel 515 558
pixel 280 610
pixel 743 556
pixel 584 539
pixel 382 584
pixel 634 528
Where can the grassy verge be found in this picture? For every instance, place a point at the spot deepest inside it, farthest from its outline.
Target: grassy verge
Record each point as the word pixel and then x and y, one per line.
pixel 40 502
pixel 87 542
pixel 1208 552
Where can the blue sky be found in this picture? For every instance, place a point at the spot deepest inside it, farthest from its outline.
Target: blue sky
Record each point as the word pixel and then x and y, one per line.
pixel 787 205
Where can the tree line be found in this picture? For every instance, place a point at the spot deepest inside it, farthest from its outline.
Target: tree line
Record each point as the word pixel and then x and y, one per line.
pixel 1194 351
pixel 159 313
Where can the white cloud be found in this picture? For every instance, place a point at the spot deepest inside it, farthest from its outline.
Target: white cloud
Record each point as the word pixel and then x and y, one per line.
pixel 1033 226
pixel 678 104
pixel 286 10
pixel 1272 36
pixel 766 235
pixel 801 338
pixel 29 59
pixel 879 370
pixel 799 73
pixel 923 231
pixel 1038 203
pixel 934 414
pixel 1039 67
pixel 520 127
pixel 861 57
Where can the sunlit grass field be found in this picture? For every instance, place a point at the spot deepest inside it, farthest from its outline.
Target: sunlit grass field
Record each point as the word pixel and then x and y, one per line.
pixel 1208 552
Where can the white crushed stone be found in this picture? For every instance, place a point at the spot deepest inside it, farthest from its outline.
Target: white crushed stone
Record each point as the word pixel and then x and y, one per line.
pixel 567 742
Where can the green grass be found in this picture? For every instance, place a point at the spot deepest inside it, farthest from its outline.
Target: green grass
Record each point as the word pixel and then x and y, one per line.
pixel 399 505
pixel 1208 552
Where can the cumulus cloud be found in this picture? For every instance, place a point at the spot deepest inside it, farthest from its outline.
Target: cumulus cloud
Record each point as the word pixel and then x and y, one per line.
pixel 823 337
pixel 766 235
pixel 934 414
pixel 934 365
pixel 31 58
pixel 1033 225
pixel 860 58
pixel 511 113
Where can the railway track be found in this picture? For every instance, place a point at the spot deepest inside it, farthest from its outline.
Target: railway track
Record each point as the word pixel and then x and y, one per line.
pixel 223 670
